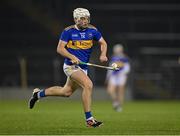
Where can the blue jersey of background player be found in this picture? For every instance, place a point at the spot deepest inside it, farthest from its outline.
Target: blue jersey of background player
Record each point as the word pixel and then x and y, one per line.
pixel 119 58
pixel 80 42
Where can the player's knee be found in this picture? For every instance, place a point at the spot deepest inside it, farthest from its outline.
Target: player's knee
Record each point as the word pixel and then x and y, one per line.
pixel 88 85
pixel 110 90
pixel 67 94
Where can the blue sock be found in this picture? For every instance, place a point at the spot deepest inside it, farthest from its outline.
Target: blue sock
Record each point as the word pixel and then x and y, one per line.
pixel 41 93
pixel 88 115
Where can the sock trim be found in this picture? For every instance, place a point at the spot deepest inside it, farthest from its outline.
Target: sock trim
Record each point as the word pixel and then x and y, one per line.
pixel 88 115
pixel 41 94
pixel 91 118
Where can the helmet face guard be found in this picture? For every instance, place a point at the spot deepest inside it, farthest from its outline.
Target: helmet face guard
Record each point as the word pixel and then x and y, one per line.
pixel 81 17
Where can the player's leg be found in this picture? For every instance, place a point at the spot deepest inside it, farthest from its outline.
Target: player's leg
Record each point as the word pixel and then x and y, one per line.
pixel 65 91
pixel 121 91
pixel 112 90
pixel 84 81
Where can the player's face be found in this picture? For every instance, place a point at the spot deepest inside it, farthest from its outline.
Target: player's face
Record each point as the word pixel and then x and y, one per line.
pixel 118 51
pixel 82 22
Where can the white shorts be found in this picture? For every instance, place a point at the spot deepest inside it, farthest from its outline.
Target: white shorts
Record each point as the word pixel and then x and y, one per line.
pixel 118 80
pixel 69 69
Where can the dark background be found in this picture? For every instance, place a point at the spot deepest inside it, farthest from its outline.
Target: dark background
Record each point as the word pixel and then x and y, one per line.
pixel 148 29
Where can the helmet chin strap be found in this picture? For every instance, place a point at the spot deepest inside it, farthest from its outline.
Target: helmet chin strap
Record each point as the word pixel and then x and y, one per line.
pixel 78 24
pixel 81 27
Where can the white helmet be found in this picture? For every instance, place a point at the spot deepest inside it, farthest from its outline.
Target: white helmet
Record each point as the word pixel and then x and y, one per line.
pixel 118 49
pixel 80 12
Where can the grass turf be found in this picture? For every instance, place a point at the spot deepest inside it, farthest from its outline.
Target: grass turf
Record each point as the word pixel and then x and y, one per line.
pixel 67 117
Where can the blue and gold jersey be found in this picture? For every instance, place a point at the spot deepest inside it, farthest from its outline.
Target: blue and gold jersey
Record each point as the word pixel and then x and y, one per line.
pixel 121 58
pixel 80 42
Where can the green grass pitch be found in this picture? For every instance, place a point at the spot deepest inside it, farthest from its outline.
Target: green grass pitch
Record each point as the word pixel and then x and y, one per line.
pixel 66 117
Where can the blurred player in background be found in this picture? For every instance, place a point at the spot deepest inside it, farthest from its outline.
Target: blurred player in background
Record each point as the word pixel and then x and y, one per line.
pixel 116 80
pixel 75 45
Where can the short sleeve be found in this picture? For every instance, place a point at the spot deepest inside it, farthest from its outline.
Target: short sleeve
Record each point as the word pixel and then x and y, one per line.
pixel 64 36
pixel 125 60
pixel 97 35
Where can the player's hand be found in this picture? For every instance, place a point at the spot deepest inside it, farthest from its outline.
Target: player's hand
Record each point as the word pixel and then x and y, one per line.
pixel 75 60
pixel 103 58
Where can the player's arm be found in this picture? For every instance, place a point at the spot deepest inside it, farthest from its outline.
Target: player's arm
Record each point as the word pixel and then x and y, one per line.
pixel 62 51
pixel 103 45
